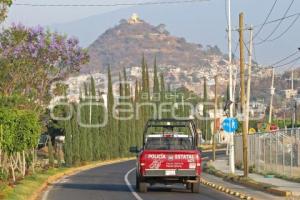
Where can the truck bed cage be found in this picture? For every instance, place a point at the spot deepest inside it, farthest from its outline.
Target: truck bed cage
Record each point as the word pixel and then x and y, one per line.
pixel 165 122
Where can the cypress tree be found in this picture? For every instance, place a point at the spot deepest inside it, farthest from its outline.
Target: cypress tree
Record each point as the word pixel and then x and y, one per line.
pixel 122 127
pixel 111 131
pixel 129 123
pixel 162 83
pixel 75 139
pixel 86 119
pixel 101 130
pixel 155 78
pixel 95 120
pixel 147 89
pixel 145 92
pixel 136 91
pixel 83 130
pixel 156 93
pixel 137 127
pixel 144 83
pixel 68 151
pixel 162 92
pixel 88 129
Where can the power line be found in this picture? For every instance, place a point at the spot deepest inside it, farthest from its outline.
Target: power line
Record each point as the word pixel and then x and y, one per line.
pixel 286 30
pixel 278 25
pixel 266 20
pixel 285 58
pixel 290 62
pixel 110 5
pixel 279 19
pixel 293 65
pixel 272 21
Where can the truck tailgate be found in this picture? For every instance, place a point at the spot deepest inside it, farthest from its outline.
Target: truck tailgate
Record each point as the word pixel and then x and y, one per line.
pixel 170 163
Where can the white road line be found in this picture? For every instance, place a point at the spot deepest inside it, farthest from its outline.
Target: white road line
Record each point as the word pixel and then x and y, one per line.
pixel 45 195
pixel 130 186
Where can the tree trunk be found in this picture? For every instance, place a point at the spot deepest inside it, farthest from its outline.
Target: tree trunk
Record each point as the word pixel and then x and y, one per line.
pixel 12 169
pixel 33 160
pixel 24 164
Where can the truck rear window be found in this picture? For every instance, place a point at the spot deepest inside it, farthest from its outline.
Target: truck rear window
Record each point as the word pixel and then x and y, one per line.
pixel 168 143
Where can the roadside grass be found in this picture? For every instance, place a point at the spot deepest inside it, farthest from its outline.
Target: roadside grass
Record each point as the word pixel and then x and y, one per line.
pixel 270 171
pixel 24 188
pixel 281 176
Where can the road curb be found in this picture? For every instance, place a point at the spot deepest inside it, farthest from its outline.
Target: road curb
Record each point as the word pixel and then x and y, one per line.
pixel 225 190
pixel 250 183
pixel 51 179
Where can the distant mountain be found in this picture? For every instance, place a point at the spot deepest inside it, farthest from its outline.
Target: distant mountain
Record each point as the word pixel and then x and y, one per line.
pixel 185 20
pixel 124 45
pixel 203 22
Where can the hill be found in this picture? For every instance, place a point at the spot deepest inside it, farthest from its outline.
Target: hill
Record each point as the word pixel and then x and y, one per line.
pixel 124 45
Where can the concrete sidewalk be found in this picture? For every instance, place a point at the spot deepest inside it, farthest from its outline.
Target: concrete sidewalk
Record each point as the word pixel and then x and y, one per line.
pixel 221 164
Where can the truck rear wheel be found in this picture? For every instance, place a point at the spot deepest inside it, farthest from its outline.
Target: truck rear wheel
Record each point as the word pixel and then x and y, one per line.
pixel 196 187
pixel 188 186
pixel 143 187
pixel 137 183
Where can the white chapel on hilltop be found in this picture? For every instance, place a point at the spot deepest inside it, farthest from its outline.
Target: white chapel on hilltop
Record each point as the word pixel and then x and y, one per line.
pixel 134 19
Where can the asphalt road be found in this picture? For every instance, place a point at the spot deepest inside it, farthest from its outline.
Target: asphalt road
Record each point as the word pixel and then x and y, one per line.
pixel 117 181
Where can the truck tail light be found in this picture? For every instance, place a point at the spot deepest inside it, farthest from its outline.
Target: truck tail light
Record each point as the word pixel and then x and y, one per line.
pixel 198 160
pixel 142 164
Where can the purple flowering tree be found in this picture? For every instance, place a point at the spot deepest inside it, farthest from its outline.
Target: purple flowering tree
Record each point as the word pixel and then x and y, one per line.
pixel 32 58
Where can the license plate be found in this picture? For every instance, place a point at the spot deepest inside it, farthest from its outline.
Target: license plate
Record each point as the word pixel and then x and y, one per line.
pixel 170 173
pixel 192 165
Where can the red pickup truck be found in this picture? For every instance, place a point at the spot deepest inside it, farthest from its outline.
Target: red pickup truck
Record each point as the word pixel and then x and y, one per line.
pixel 169 155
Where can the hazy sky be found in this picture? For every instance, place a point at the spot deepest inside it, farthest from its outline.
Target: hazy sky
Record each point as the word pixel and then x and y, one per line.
pixel 212 21
pixel 54 15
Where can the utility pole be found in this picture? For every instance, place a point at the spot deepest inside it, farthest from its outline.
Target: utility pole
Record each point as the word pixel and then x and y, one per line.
pixel 295 114
pixel 296 106
pixel 215 119
pixel 292 84
pixel 295 118
pixel 204 106
pixel 231 142
pixel 295 103
pixel 272 94
pixel 295 100
pixel 242 82
pixel 249 77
